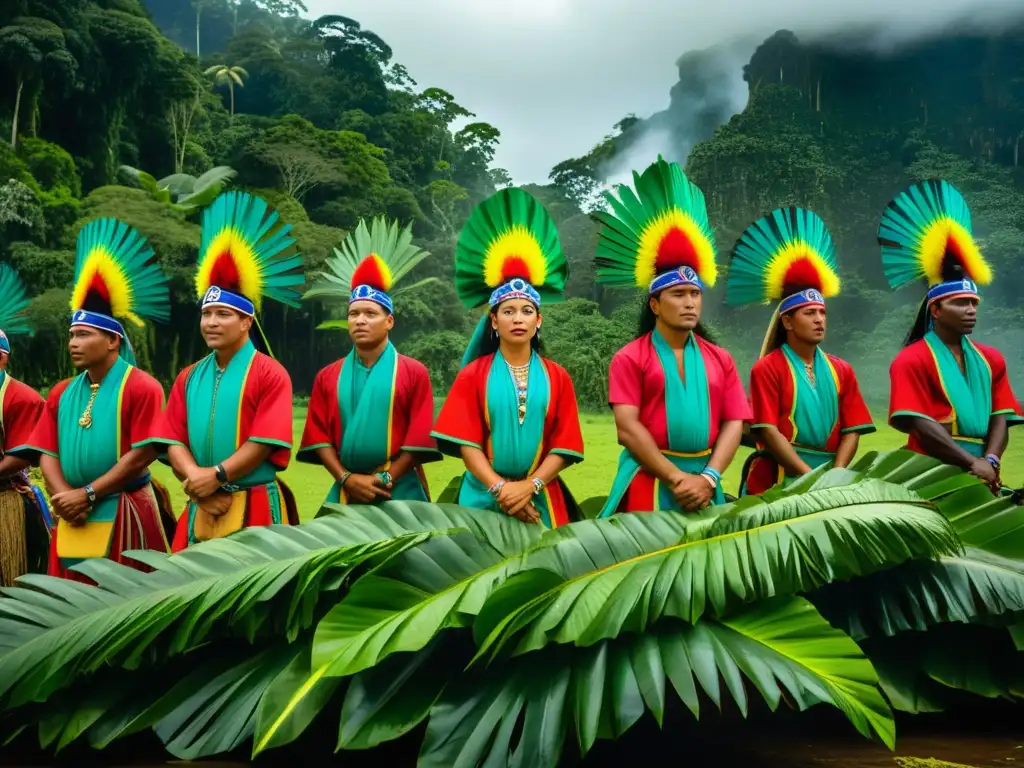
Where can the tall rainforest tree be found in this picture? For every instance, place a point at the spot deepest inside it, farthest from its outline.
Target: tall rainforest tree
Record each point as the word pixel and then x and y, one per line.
pixel 34 49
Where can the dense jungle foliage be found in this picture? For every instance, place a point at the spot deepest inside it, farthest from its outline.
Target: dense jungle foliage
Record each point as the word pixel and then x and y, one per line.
pixel 102 98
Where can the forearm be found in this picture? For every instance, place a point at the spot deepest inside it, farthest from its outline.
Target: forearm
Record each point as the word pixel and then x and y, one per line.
pixel 783 452
pixel 128 468
pixel 477 465
pixel 329 458
pixel 847 449
pixel 53 475
pixel 638 441
pixel 404 463
pixel 12 465
pixel 729 436
pixel 551 468
pixel 245 459
pixel 995 443
pixel 182 461
pixel 939 444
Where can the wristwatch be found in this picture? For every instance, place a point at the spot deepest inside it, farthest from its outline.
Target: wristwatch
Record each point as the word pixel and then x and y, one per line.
pixel 993 460
pixel 385 477
pixel 90 494
pixel 222 474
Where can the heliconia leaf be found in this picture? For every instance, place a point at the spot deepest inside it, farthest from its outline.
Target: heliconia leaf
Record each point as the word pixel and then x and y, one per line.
pixel 627 572
pixel 519 713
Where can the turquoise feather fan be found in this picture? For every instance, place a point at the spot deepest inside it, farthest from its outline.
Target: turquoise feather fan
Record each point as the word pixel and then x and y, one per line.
pixel 14 302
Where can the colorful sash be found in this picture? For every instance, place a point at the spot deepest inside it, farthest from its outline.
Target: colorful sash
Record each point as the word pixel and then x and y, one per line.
pixel 366 399
pixel 88 453
pixel 688 415
pixel 815 409
pixel 969 392
pixel 213 402
pixel 515 449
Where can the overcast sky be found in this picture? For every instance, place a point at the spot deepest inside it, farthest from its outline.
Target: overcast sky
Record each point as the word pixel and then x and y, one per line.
pixel 555 75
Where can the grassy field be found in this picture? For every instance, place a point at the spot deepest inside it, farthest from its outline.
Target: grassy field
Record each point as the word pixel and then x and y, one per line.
pixel 592 477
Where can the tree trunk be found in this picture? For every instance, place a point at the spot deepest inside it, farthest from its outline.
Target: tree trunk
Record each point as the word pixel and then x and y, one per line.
pixel 17 107
pixel 199 14
pixel 231 88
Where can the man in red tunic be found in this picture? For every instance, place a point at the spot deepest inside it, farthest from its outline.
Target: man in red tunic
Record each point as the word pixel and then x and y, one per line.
pixel 24 531
pixel 949 394
pixel 370 413
pixel 678 402
pixel 89 440
pixel 808 410
pixel 228 426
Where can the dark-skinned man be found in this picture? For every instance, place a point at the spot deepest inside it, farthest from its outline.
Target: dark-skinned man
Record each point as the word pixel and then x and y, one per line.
pixel 370 413
pixel 808 409
pixel 949 394
pixel 227 428
pixel 24 529
pixel 678 402
pixel 90 439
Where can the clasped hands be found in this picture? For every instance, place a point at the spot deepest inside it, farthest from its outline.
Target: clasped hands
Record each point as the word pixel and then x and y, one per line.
pixel 71 506
pixel 366 489
pixel 692 492
pixel 202 486
pixel 515 499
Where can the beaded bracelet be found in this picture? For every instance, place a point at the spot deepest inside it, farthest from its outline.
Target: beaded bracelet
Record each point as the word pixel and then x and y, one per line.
pixel 713 476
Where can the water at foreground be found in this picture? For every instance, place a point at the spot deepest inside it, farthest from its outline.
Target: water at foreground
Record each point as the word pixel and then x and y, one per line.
pixel 984 737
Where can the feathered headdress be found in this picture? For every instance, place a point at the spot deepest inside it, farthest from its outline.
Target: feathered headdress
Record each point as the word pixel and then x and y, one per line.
pixel 370 263
pixel 13 305
pixel 508 249
pixel 658 236
pixel 926 233
pixel 117 277
pixel 242 256
pixel 787 256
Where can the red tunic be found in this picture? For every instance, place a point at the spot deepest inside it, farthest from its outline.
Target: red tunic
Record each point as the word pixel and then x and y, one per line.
pixel 22 409
pixel 411 422
pixel 463 420
pixel 635 377
pixel 916 389
pixel 772 395
pixel 138 524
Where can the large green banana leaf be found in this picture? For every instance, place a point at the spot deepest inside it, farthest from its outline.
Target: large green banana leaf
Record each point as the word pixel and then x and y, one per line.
pixel 64 635
pixel 626 573
pixel 519 713
pixel 977 587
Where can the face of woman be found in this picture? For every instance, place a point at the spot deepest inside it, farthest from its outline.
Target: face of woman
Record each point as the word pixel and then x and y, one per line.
pixel 516 321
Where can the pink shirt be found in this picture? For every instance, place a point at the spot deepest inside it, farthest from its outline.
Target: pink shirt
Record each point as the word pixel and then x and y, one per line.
pixel 636 378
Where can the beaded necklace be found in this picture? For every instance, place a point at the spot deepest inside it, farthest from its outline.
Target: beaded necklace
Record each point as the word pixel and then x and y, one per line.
pixel 521 378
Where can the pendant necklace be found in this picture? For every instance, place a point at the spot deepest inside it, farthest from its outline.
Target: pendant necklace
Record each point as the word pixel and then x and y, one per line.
pixel 521 378
pixel 85 421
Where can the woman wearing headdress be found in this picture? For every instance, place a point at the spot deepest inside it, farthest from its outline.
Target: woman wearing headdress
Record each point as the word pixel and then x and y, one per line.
pixel 24 518
pixel 678 402
pixel 227 426
pixel 949 394
pixel 90 440
pixel 808 409
pixel 511 414
pixel 370 413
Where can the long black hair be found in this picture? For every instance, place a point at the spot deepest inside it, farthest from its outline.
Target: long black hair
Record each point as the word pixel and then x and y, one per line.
pixel 491 342
pixel 648 320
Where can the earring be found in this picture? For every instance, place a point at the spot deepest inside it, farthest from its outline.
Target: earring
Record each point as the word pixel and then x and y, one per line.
pixel 495 332
pixel 538 334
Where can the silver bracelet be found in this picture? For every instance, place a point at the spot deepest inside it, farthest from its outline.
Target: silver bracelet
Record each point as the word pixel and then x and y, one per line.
pixel 538 485
pixel 495 489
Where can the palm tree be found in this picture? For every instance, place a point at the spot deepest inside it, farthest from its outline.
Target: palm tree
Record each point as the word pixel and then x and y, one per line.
pixel 232 76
